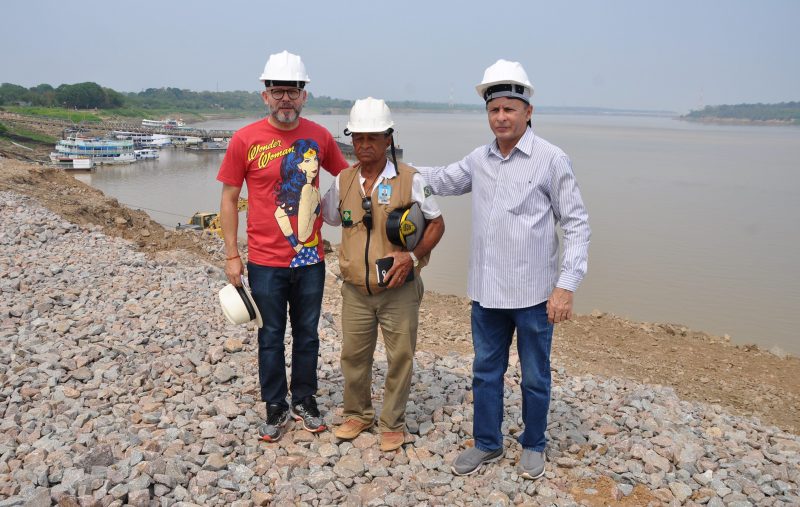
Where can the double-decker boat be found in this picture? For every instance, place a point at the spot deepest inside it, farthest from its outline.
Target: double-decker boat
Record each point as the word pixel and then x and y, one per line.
pixel 99 151
pixel 144 139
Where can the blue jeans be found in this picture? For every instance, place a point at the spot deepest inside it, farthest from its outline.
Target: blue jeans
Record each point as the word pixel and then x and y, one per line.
pixel 301 289
pixel 492 331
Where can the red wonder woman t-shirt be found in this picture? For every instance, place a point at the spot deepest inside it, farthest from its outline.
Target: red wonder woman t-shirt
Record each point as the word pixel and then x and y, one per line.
pixel 281 169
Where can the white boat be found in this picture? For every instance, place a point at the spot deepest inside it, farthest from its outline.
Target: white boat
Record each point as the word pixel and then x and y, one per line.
pixel 168 123
pixel 146 153
pixel 69 162
pixel 211 145
pixel 185 140
pixel 160 141
pixel 100 151
pixel 144 139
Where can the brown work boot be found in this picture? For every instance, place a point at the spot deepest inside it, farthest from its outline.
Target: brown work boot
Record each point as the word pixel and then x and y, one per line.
pixel 391 440
pixel 351 429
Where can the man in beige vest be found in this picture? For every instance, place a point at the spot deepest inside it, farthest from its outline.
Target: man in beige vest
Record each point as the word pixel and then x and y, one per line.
pixel 361 200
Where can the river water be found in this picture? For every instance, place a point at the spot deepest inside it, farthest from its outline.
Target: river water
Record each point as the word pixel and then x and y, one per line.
pixel 691 224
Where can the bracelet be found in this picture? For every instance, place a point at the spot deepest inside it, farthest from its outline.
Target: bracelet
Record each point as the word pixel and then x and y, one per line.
pixel 292 240
pixel 231 258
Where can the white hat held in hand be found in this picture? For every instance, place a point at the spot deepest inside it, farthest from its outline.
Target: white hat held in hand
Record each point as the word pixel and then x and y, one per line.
pixel 238 304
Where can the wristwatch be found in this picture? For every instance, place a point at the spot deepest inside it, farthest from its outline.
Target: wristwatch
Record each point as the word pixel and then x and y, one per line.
pixel 413 258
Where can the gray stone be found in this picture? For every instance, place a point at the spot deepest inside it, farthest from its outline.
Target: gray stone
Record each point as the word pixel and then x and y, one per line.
pixel 680 491
pixel 625 489
pixel 215 462
pixel 99 456
pixel 223 373
pixel 651 458
pixel 139 498
pixel 349 466
pixel 41 498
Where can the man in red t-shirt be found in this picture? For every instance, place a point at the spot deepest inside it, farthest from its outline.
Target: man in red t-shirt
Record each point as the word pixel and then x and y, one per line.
pixel 279 158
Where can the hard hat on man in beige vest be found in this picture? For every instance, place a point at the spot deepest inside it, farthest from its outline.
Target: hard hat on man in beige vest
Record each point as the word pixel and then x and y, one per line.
pixel 369 116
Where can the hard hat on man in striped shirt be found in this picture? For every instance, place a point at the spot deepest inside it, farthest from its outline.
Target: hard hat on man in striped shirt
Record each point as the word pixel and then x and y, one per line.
pixel 505 79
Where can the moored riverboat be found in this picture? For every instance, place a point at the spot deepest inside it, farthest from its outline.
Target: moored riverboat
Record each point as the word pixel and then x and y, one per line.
pixel 70 162
pixel 99 151
pixel 146 154
pixel 185 140
pixel 144 139
pixel 167 123
pixel 211 145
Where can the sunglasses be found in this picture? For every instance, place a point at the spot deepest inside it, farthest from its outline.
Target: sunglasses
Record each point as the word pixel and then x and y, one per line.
pixel 366 205
pixel 276 94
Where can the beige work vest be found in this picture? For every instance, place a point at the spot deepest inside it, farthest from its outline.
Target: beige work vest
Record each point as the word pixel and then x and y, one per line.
pixel 356 259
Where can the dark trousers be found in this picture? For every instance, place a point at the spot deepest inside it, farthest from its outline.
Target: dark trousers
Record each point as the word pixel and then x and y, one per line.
pixel 301 290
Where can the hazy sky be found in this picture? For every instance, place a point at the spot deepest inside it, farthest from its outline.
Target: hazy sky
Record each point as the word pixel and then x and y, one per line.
pixel 673 55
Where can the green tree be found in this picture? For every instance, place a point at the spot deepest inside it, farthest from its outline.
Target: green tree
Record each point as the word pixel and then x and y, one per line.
pixel 43 95
pixel 82 95
pixel 12 94
pixel 114 99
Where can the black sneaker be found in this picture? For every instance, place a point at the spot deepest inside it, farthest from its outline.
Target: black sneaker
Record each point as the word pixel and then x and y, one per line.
pixel 277 417
pixel 306 412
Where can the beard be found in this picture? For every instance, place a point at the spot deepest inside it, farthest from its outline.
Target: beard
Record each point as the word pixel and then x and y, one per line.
pixel 283 116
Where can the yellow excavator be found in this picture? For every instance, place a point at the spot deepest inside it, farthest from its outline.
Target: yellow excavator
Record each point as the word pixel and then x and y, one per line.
pixel 209 221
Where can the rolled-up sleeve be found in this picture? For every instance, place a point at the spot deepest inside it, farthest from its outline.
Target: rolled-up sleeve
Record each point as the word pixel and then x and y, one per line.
pixel 427 203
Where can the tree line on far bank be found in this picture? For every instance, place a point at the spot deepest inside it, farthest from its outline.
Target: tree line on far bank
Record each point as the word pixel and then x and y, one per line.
pixel 784 111
pixel 90 95
pixel 80 95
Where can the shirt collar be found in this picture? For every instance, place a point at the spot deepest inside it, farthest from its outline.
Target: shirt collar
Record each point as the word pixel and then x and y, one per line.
pixel 525 144
pixel 387 173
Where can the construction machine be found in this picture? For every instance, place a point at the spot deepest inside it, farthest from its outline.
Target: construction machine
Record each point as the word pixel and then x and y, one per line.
pixel 209 221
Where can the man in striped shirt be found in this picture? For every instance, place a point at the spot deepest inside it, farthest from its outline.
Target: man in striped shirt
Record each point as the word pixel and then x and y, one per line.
pixel 522 187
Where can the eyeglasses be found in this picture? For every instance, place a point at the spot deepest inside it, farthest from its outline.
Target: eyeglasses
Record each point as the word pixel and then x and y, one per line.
pixel 278 94
pixel 366 205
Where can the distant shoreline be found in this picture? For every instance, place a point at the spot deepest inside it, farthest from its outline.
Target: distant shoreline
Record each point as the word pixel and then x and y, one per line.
pixel 715 120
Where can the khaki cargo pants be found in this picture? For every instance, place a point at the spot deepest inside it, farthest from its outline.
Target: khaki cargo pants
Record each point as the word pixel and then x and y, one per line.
pixel 397 313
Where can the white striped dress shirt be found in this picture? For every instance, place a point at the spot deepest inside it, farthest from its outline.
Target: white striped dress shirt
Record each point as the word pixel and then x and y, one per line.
pixel 516 202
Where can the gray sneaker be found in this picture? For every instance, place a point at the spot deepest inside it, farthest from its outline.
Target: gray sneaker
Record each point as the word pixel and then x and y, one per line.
pixel 531 464
pixel 277 417
pixel 471 459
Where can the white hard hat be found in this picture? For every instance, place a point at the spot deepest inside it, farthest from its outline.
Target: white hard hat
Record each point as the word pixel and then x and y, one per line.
pixel 505 79
pixel 286 69
pixel 238 304
pixel 369 115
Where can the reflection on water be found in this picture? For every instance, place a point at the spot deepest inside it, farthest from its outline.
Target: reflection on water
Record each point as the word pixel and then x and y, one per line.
pixel 170 189
pixel 692 224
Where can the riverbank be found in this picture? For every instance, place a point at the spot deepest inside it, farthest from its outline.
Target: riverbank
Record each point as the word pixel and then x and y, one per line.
pixel 122 382
pixel 716 120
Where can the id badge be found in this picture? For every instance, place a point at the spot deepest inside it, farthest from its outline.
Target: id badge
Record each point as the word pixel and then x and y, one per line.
pixel 384 193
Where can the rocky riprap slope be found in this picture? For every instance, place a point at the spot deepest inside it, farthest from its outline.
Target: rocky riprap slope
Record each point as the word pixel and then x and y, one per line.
pixel 123 384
